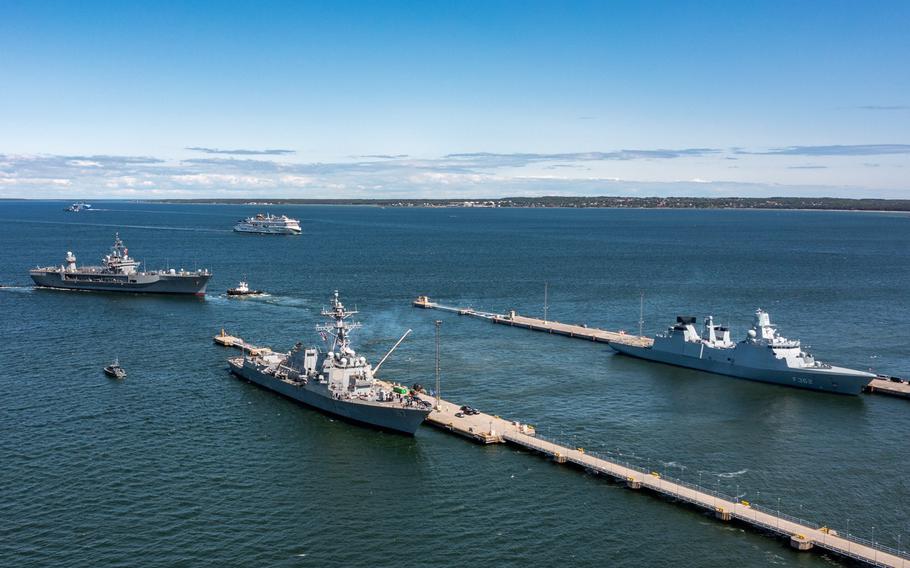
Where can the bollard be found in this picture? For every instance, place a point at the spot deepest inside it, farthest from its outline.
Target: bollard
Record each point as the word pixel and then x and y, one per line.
pixel 800 542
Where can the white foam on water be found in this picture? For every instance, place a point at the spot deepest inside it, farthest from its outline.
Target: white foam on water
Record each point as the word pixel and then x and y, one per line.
pixel 733 473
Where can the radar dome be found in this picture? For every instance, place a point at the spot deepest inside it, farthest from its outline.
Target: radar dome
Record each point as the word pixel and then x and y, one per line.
pixel 752 333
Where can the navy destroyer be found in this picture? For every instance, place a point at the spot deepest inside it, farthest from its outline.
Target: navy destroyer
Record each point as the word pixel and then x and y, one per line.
pixel 764 355
pixel 120 273
pixel 337 381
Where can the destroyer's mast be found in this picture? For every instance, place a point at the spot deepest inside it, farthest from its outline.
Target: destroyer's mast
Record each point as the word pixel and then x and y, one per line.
pixel 340 330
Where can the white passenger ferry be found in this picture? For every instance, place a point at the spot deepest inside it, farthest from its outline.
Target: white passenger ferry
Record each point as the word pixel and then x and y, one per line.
pixel 269 225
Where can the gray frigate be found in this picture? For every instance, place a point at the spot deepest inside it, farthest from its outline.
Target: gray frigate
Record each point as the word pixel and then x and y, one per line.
pixel 120 273
pixel 764 355
pixel 337 381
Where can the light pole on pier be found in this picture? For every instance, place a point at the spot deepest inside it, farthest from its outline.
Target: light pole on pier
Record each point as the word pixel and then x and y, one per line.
pixel 438 393
pixel 641 315
pixel 848 535
pixel 875 551
pixel 546 307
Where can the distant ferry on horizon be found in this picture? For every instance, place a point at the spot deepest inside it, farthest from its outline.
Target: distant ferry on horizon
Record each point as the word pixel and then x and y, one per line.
pixel 764 355
pixel 120 273
pixel 77 207
pixel 269 225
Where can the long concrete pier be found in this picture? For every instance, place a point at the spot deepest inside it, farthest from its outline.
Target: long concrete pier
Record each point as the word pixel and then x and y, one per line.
pixel 513 319
pixel 890 386
pixel 488 429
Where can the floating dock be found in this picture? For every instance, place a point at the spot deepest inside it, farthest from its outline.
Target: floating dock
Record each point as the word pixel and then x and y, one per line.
pixel 487 429
pixel 891 386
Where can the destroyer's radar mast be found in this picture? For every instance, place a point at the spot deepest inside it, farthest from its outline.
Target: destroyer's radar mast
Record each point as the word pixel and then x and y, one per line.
pixel 340 330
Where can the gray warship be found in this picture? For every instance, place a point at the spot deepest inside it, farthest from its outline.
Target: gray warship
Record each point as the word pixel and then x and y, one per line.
pixel 337 381
pixel 120 273
pixel 764 355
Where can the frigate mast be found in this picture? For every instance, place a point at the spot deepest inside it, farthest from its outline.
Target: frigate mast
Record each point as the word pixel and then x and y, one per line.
pixel 340 329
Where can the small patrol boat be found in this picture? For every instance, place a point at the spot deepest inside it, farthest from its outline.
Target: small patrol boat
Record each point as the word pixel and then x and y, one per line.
pixel 114 370
pixel 243 289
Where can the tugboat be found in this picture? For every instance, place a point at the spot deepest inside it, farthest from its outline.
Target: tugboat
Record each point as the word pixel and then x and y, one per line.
pixel 120 272
pixel 243 289
pixel 764 355
pixel 115 370
pixel 336 381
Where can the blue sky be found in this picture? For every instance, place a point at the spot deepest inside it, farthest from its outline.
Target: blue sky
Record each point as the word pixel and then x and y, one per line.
pixel 454 99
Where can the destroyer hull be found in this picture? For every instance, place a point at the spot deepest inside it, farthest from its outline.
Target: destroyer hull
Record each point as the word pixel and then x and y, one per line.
pixel 158 284
pixel 400 420
pixel 850 383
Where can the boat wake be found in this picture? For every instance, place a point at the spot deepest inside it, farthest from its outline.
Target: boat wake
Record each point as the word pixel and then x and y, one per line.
pixel 118 226
pixel 728 475
pixel 20 289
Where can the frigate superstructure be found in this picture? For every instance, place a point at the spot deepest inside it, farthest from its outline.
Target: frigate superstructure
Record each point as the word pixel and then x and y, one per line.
pixel 337 380
pixel 119 272
pixel 764 355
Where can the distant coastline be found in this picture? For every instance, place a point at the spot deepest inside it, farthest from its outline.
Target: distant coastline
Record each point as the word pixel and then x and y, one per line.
pixel 810 203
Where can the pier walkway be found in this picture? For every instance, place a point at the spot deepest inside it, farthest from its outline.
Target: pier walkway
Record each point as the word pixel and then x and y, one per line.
pixel 513 319
pixel 884 385
pixel 489 429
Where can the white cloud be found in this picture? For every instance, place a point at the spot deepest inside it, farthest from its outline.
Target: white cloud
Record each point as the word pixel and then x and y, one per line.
pixel 211 180
pixel 128 181
pixel 459 175
pixel 13 180
pixel 296 181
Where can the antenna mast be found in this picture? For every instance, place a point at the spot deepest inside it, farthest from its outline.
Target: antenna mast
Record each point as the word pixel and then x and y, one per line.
pixel 340 329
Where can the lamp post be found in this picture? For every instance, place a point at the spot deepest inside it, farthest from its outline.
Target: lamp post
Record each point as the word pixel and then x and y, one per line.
pixel 546 307
pixel 848 535
pixel 438 394
pixel 875 551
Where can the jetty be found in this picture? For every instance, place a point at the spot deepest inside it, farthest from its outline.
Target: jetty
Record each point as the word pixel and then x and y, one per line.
pixel 226 340
pixel 891 386
pixel 513 319
pixel 882 384
pixel 484 428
